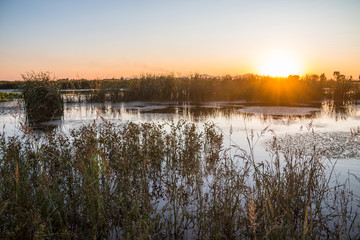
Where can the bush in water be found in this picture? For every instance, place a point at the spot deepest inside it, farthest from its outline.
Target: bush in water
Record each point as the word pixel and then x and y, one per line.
pixel 42 97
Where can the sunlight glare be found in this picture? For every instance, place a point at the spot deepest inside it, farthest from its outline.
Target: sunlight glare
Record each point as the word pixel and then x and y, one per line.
pixel 279 65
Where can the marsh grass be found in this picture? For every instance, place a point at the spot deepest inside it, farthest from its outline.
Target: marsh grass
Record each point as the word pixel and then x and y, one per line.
pixel 42 98
pixel 5 96
pixel 165 181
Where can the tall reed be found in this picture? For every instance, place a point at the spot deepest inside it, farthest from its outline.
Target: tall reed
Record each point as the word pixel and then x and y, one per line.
pixel 165 181
pixel 42 98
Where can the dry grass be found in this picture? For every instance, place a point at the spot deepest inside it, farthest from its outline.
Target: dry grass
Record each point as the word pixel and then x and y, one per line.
pixel 174 181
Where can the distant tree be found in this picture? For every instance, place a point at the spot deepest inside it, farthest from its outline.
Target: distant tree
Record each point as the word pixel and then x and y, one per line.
pixel 322 77
pixel 341 87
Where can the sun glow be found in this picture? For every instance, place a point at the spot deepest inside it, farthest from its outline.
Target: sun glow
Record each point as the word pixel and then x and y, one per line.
pixel 279 65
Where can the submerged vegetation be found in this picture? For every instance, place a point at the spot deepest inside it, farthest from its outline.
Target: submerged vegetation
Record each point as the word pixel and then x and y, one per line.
pixel 42 97
pixel 167 181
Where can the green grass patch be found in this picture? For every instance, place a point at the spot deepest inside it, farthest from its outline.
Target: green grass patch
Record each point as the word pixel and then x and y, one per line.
pixel 9 96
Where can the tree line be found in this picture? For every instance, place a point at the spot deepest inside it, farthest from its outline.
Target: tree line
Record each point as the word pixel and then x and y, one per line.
pixel 249 87
pixel 198 87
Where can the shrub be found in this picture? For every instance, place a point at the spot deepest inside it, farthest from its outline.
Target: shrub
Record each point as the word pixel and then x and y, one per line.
pixel 42 97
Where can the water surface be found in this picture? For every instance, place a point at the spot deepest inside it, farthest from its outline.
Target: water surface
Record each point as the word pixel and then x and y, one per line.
pixel 320 124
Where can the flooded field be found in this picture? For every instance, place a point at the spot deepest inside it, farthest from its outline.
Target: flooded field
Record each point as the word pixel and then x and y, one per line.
pixel 322 124
pixel 239 117
pixel 316 129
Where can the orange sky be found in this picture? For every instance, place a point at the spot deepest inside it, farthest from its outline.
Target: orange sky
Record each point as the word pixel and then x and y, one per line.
pixel 92 39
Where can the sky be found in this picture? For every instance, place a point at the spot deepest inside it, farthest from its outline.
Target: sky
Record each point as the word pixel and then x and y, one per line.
pixel 105 39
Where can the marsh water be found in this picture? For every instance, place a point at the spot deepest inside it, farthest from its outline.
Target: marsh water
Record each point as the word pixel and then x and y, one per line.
pixel 324 125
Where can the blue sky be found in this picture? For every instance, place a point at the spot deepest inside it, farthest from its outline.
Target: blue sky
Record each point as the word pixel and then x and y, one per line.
pixel 99 39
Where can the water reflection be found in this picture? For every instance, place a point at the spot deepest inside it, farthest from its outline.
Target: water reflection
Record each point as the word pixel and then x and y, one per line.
pixel 324 115
pixel 189 111
pixel 340 110
pixel 44 126
pixel 233 119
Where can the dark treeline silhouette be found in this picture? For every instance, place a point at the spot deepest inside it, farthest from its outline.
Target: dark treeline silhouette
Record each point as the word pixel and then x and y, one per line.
pixel 265 89
pixel 273 90
pixel 8 84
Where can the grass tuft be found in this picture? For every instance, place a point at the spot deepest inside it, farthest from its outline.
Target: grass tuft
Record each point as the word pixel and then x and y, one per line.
pixel 42 98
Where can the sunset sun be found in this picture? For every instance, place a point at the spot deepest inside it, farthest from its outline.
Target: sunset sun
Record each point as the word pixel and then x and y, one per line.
pixel 279 65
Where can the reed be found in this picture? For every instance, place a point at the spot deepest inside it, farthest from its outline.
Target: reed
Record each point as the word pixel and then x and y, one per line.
pixel 166 181
pixel 42 98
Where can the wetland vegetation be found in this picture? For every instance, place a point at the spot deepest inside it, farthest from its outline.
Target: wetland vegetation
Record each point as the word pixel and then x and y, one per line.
pixel 9 96
pixel 265 89
pixel 167 181
pixel 42 97
pixel 177 179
